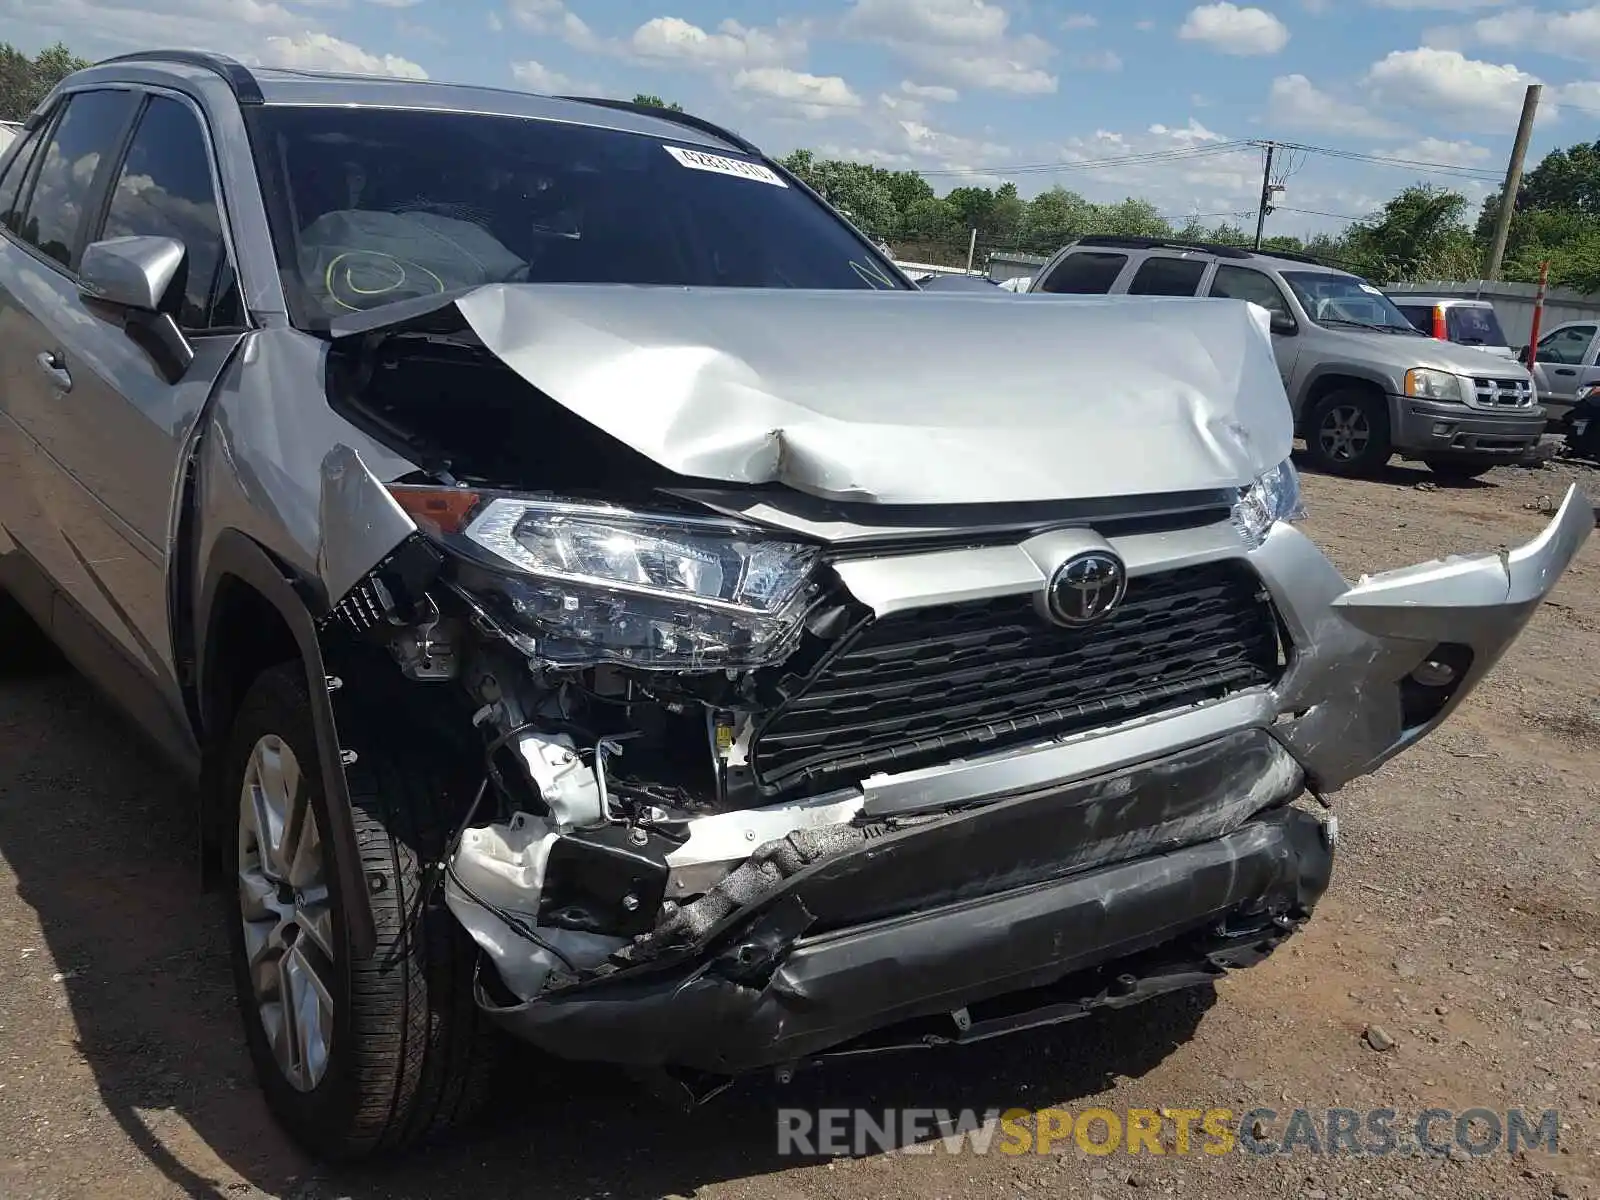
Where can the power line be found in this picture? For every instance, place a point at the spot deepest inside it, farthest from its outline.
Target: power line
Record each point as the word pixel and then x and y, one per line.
pixel 1452 169
pixel 1313 212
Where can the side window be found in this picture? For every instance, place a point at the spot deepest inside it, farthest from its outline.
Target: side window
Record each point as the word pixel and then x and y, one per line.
pixel 1085 273
pixel 64 181
pixel 164 189
pixel 1566 346
pixel 1164 276
pixel 16 172
pixel 1241 283
pixel 1421 317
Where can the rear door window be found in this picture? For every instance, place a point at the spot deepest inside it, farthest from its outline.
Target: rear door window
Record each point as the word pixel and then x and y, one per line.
pixel 1473 326
pixel 1085 273
pixel 1162 275
pixel 79 149
pixel 16 171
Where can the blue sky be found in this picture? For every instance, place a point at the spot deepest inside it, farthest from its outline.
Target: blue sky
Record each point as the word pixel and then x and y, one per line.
pixel 971 90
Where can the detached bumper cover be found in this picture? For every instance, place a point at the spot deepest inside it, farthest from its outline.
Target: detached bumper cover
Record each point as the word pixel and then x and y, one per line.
pixel 1000 900
pixel 1339 706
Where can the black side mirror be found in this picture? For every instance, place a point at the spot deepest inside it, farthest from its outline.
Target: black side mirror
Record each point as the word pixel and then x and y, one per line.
pixel 1522 355
pixel 1283 324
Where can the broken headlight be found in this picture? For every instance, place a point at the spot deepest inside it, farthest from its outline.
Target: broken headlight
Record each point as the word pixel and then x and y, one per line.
pixel 1273 497
pixel 592 583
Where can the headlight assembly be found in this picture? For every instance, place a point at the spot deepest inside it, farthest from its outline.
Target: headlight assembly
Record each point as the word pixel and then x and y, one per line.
pixel 592 583
pixel 1273 497
pixel 1424 383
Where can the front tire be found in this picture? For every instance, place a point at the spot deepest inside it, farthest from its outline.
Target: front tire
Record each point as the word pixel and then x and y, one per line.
pixel 1347 433
pixel 355 1057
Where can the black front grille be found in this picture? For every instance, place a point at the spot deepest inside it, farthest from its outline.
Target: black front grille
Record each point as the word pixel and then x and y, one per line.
pixel 928 686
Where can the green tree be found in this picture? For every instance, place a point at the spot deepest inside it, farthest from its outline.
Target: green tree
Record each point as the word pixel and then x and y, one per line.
pixel 25 81
pixel 1418 234
pixel 1566 180
pixel 647 99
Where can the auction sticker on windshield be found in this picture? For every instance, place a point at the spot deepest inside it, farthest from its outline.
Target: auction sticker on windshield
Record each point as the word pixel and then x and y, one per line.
pixel 699 160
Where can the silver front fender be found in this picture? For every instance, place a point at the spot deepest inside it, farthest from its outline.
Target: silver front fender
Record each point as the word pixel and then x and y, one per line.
pixel 1340 700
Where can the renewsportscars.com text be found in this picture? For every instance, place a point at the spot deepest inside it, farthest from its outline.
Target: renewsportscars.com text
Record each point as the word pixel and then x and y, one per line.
pixel 835 1132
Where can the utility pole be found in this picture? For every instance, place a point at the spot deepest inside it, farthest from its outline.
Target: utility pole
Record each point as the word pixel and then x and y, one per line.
pixel 1508 198
pixel 1267 190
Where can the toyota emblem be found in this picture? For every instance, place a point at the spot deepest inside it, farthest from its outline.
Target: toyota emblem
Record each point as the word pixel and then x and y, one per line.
pixel 1086 588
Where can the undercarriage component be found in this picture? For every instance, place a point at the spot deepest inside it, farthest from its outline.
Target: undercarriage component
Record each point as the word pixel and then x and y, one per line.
pixel 493 887
pixel 568 787
pixel 608 880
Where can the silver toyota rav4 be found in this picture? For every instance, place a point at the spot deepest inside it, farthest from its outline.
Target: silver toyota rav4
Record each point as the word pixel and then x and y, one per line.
pixel 601 600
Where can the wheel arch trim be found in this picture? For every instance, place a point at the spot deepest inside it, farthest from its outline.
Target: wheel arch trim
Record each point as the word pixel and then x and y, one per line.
pixel 237 556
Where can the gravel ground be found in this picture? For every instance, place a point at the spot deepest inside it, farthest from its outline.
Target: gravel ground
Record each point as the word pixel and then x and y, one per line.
pixel 1460 933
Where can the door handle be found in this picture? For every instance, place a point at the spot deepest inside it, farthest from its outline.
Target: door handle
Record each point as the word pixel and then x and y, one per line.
pixel 53 365
pixel 1565 371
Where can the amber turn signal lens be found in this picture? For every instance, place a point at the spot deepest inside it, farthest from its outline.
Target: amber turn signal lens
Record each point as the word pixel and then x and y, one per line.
pixel 436 509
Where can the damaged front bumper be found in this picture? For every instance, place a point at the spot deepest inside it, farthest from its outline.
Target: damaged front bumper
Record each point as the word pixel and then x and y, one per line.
pixel 936 920
pixel 1000 887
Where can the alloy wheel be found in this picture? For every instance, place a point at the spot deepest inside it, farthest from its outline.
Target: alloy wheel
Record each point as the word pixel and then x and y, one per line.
pixel 1345 433
pixel 287 914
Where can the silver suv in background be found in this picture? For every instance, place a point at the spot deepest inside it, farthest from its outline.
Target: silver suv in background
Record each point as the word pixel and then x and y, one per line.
pixel 1363 384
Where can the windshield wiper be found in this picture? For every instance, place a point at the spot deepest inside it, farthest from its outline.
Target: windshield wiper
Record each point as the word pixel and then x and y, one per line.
pixel 1346 321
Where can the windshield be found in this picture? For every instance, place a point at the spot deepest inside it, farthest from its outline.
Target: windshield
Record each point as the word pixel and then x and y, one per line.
pixel 1345 300
pixel 385 205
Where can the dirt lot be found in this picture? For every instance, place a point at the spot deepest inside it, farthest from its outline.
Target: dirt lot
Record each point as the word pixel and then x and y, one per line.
pixel 1463 922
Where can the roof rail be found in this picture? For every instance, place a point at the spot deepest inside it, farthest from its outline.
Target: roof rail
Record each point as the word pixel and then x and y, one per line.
pixel 669 114
pixel 237 76
pixel 1300 256
pixel 1160 243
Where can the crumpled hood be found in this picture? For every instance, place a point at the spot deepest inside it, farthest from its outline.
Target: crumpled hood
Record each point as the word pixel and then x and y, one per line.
pixel 901 398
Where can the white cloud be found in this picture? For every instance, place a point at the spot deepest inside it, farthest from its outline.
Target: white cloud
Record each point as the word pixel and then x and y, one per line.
pixel 730 45
pixel 948 22
pixel 1584 94
pixel 919 91
pixel 537 77
pixel 95 27
pixel 1192 134
pixel 1234 30
pixel 812 95
pixel 1574 34
pixel 1098 60
pixel 1294 102
pixel 994 72
pixel 323 52
pixel 1436 5
pixel 1439 150
pixel 1473 93
pixel 395 3
pixel 965 42
pixel 552 18
pixel 1144 26
pixel 1079 21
